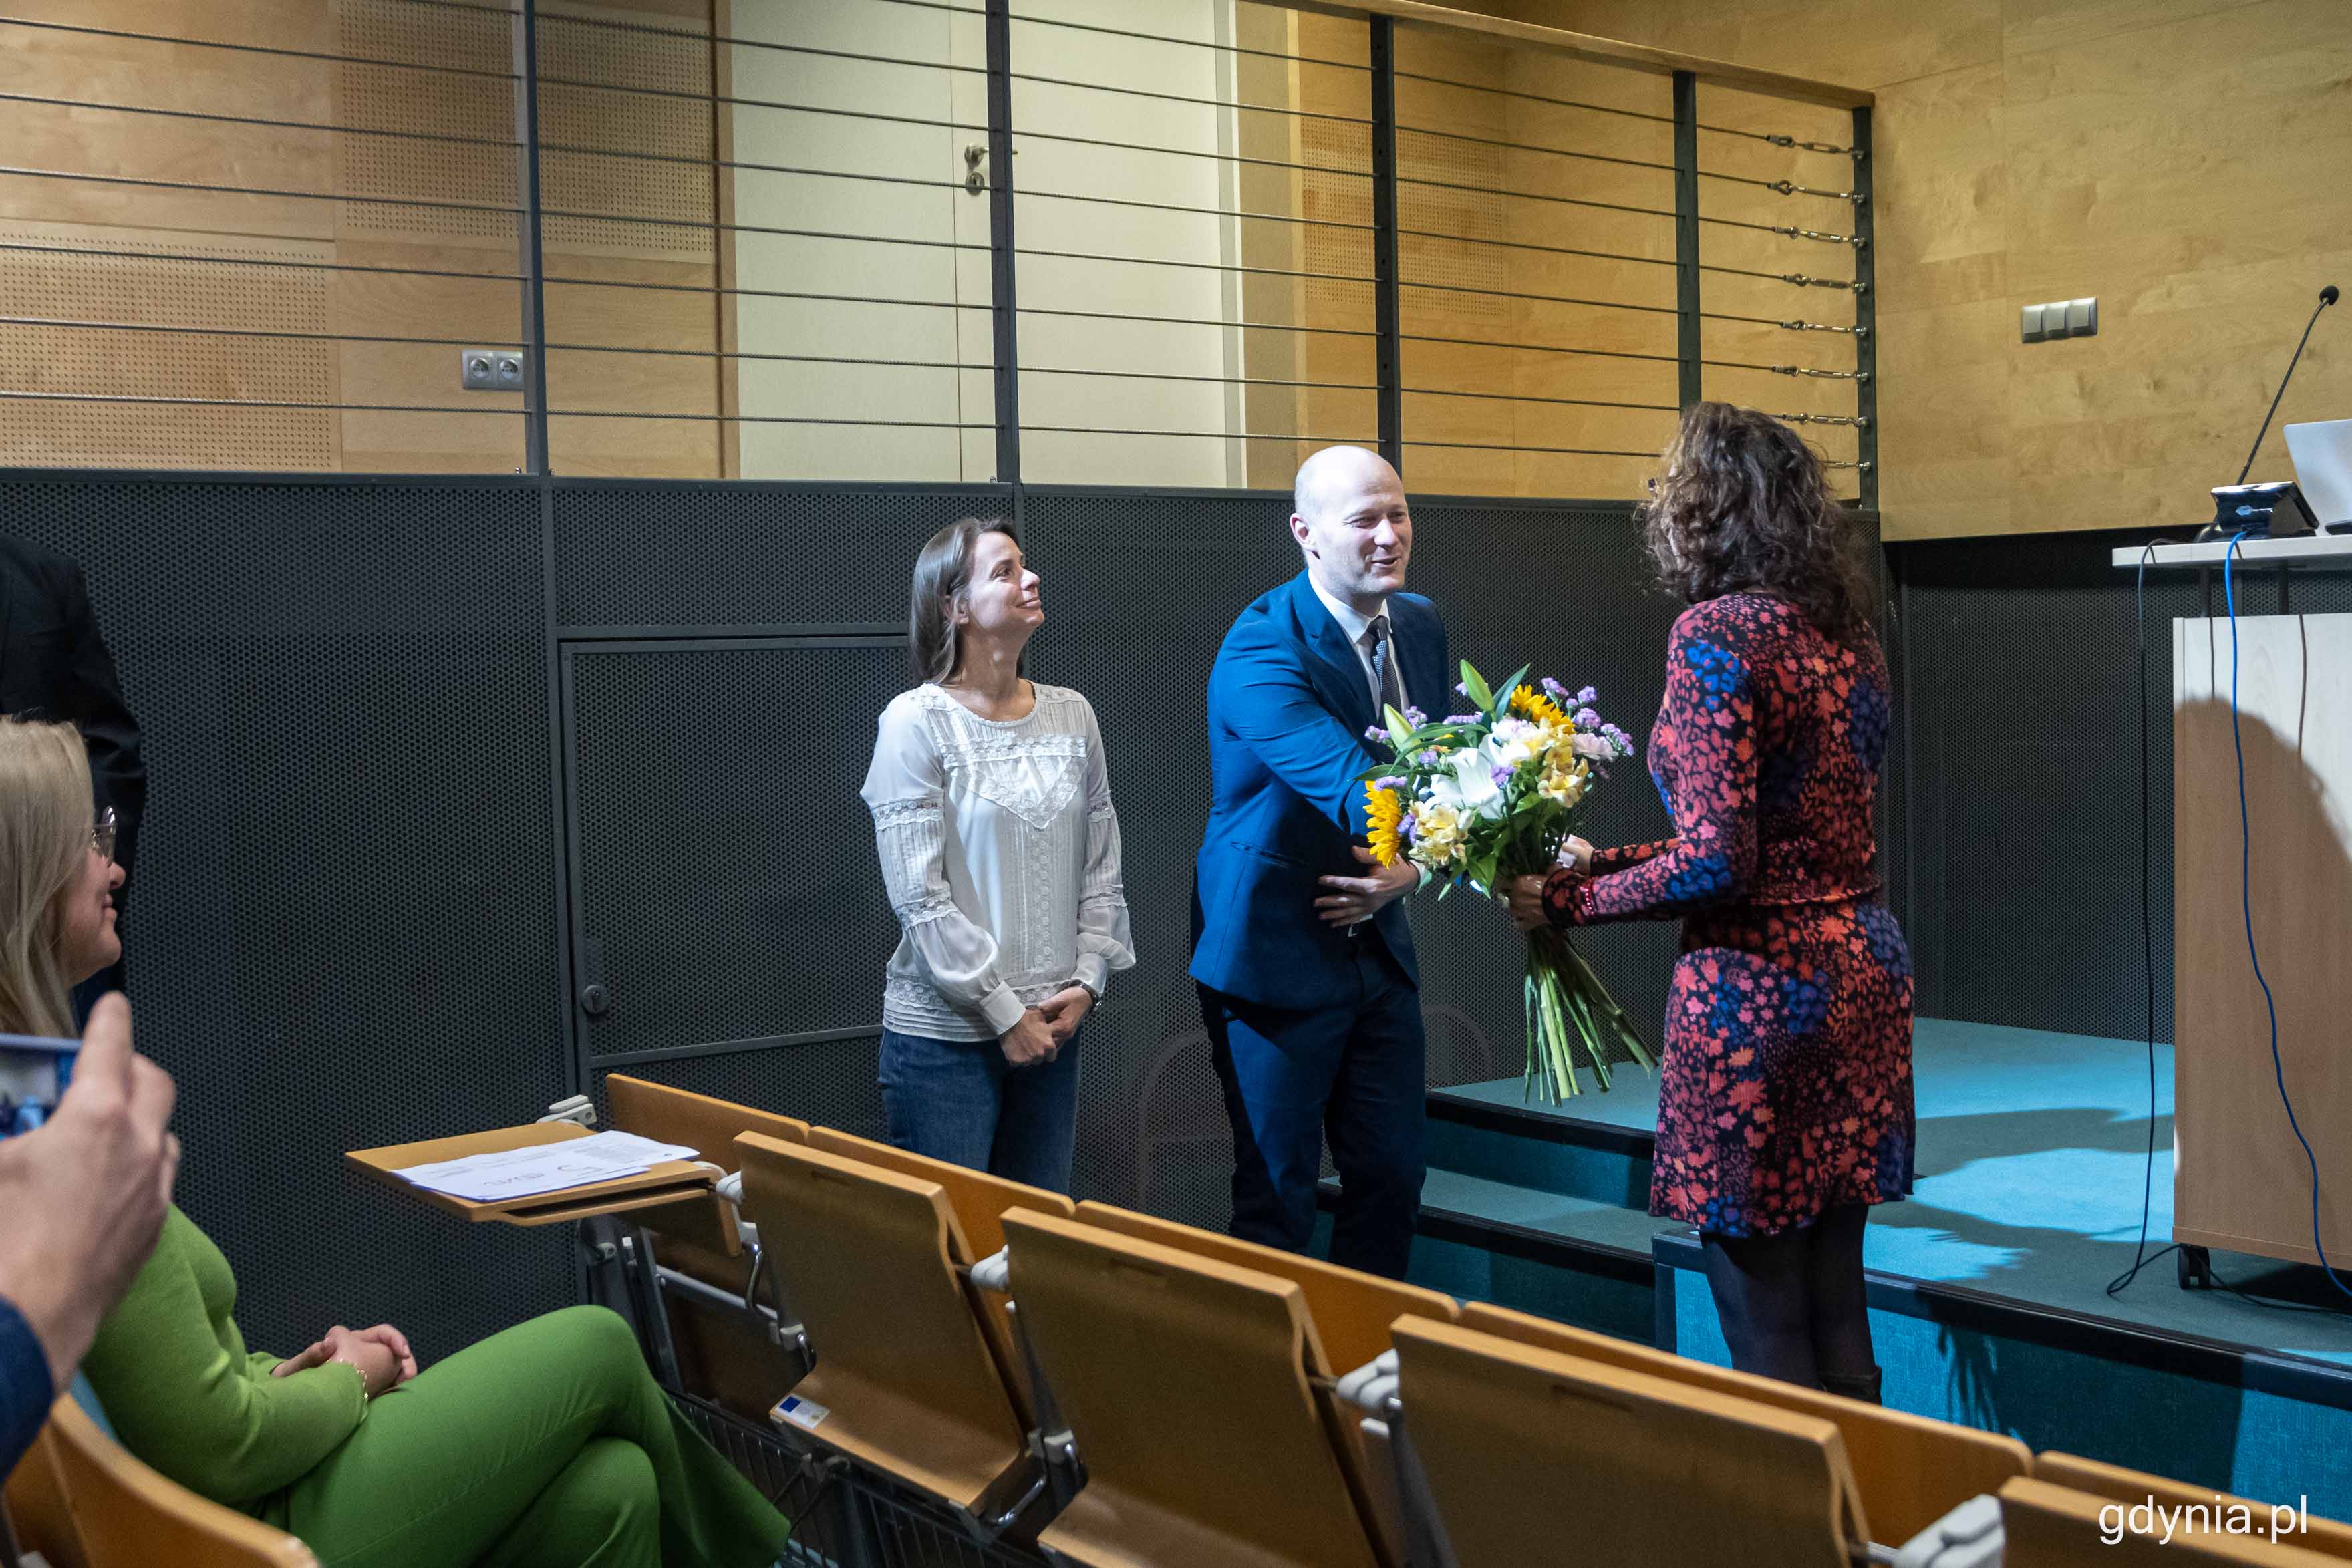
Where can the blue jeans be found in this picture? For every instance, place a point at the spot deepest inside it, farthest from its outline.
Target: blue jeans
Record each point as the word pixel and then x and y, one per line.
pixel 1355 1074
pixel 960 1100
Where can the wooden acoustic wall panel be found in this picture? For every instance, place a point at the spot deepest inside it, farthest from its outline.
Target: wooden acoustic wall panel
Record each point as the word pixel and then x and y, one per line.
pixel 616 155
pixel 165 291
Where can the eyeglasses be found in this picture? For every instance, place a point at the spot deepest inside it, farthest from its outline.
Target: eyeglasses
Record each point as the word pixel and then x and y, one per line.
pixel 102 835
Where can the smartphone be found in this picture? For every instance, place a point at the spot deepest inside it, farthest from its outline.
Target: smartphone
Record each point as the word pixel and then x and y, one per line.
pixel 34 1072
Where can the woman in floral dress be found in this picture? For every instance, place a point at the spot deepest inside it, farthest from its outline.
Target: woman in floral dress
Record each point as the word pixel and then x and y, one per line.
pixel 1784 1108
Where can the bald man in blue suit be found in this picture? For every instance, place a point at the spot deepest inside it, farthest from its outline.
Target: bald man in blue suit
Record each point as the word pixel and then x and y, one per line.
pixel 1305 962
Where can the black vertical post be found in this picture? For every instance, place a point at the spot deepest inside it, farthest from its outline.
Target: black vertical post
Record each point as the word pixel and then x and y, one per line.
pixel 1000 242
pixel 1388 321
pixel 1865 318
pixel 1688 349
pixel 534 292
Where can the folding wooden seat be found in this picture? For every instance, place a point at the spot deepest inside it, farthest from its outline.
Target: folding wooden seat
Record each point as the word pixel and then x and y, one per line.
pixel 2049 1526
pixel 34 1500
pixel 907 1379
pixel 1911 1470
pixel 979 1201
pixel 1536 1456
pixel 2330 1537
pixel 125 1515
pixel 1352 1312
pixel 715 1350
pixel 1195 1390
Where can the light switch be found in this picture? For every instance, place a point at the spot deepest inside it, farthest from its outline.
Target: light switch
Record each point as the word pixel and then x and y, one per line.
pixel 2031 323
pixel 2082 317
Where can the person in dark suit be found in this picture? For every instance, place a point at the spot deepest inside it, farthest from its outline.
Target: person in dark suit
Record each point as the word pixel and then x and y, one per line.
pixel 1300 948
pixel 54 665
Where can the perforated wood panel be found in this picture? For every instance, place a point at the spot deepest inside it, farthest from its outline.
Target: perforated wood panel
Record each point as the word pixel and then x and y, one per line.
pixel 1468 214
pixel 385 97
pixel 82 361
pixel 671 118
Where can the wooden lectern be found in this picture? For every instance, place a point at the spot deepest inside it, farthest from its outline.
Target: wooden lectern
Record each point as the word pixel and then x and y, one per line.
pixel 2241 1180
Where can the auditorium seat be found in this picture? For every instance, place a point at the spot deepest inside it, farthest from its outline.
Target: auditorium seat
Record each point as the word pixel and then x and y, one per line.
pixel 906 1378
pixel 2332 1538
pixel 1352 1312
pixel 1910 1471
pixel 721 1356
pixel 117 1513
pixel 2049 1526
pixel 1195 1390
pixel 1536 1456
pixel 979 1201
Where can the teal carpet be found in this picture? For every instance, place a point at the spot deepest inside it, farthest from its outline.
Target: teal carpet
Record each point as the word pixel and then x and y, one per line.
pixel 2032 1148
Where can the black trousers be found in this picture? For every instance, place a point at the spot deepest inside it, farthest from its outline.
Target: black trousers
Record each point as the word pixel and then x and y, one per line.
pixel 1792 1305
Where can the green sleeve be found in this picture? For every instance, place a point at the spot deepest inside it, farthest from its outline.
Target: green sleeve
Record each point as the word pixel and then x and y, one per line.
pixel 211 1419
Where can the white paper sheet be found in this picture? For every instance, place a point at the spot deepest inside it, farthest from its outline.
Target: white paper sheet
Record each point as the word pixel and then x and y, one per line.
pixel 547 1168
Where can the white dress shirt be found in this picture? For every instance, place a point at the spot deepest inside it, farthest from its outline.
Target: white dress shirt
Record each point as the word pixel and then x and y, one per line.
pixel 1358 629
pixel 1001 853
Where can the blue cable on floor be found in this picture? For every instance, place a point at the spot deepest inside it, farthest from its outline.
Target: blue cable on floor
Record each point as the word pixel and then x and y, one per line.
pixel 2246 904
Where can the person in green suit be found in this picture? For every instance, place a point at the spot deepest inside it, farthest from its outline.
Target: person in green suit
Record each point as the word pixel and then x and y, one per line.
pixel 547 1446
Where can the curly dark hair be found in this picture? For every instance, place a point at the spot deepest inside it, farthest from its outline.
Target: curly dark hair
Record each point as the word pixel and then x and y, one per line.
pixel 1744 508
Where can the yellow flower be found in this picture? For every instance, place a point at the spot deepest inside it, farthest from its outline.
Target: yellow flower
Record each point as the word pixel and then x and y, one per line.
pixel 1529 703
pixel 1383 810
pixel 1437 838
pixel 1565 785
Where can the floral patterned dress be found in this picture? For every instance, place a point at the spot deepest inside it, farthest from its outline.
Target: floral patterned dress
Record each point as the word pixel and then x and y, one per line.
pixel 1786 1082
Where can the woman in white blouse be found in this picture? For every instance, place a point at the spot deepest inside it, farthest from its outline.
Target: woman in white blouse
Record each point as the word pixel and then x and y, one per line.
pixel 1000 849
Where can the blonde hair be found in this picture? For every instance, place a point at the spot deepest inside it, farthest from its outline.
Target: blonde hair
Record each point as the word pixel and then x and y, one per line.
pixel 45 827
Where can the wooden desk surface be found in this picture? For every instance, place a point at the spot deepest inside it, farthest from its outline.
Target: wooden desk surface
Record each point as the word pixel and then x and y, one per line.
pixel 665 1183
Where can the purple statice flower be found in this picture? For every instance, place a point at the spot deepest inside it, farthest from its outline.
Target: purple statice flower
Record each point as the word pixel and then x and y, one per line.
pixel 1430 758
pixel 1389 781
pixel 1463 687
pixel 1376 735
pixel 1618 739
pixel 1462 718
pixel 1407 826
pixel 1554 690
pixel 1586 719
pixel 1502 776
pixel 1415 717
pixel 1586 697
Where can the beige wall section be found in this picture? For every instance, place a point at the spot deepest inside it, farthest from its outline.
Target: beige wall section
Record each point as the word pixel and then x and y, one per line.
pixel 375 223
pixel 2184 160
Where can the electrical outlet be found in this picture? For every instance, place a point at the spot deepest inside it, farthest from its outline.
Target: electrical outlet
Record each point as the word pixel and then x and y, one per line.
pixel 2059 318
pixel 491 370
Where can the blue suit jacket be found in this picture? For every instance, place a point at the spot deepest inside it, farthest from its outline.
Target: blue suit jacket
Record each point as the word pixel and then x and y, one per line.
pixel 1288 706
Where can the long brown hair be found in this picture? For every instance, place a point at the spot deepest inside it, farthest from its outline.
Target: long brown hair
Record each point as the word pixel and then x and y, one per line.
pixel 942 573
pixel 44 822
pixel 1746 508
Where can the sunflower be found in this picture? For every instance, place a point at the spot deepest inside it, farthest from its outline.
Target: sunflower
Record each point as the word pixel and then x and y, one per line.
pixel 1529 703
pixel 1383 810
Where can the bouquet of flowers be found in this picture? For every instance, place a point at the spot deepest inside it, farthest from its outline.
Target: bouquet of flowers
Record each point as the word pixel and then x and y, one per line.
pixel 1486 796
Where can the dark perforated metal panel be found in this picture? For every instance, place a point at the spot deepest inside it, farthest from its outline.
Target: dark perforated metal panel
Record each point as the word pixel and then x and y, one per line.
pixel 746 554
pixel 343 930
pixel 2025 790
pixel 829 1083
pixel 727 866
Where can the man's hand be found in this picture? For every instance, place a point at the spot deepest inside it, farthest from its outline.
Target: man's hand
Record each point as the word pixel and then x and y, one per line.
pixel 1031 1040
pixel 1354 899
pixel 85 1195
pixel 1065 1010
pixel 1524 897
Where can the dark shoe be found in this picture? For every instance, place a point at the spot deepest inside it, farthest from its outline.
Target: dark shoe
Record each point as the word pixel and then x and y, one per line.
pixel 1864 1387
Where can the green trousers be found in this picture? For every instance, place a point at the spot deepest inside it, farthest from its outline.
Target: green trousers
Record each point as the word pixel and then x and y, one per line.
pixel 548 1446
